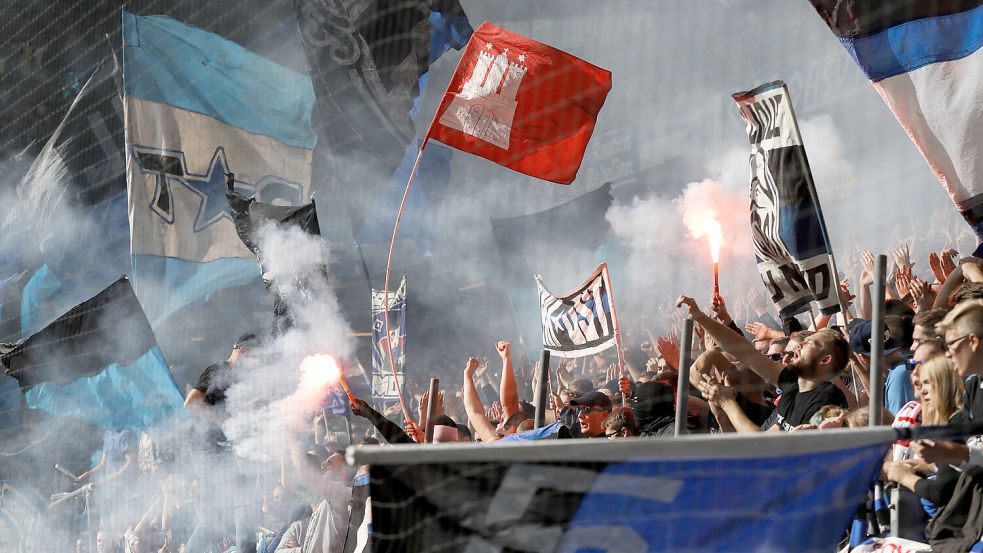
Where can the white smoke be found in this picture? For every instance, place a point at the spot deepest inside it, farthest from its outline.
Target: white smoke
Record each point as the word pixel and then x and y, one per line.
pixel 269 399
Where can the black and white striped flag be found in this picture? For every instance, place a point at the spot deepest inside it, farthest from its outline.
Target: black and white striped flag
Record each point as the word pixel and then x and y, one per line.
pixel 580 322
pixel 787 229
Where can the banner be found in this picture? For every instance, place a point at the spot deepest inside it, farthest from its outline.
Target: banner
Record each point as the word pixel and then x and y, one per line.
pixel 522 104
pixel 700 493
pixel 198 107
pixel 787 230
pixel 925 60
pixel 579 322
pixel 384 385
pixel 99 362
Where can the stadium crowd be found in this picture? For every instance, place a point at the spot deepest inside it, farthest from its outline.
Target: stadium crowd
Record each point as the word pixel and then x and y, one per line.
pixel 751 379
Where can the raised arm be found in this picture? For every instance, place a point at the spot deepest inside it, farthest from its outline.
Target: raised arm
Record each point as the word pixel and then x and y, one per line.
pixel 507 391
pixel 733 344
pixel 389 430
pixel 472 405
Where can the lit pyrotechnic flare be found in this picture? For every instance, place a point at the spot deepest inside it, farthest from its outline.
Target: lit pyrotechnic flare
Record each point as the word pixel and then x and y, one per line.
pixel 320 370
pixel 703 223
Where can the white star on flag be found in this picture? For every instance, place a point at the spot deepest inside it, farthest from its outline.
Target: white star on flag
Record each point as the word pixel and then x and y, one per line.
pixel 522 57
pixel 488 45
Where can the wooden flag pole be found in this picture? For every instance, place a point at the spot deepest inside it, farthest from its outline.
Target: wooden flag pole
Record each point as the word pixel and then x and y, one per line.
pixel 392 244
pixel 617 334
pixel 389 265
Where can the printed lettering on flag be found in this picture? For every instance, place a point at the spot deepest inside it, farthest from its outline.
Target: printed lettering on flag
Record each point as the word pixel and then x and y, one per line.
pixel 787 231
pixel 384 384
pixel 198 107
pixel 579 322
pixel 522 104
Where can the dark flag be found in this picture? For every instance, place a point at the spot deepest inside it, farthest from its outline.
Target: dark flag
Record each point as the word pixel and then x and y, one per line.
pixel 558 241
pixel 787 229
pixel 99 362
pixel 366 64
pixel 77 177
pixel 643 495
pixel 248 215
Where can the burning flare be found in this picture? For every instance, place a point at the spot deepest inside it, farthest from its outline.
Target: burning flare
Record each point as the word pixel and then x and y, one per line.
pixel 320 370
pixel 701 222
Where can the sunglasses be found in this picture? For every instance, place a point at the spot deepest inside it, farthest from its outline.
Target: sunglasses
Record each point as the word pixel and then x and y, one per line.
pixel 585 410
pixel 776 356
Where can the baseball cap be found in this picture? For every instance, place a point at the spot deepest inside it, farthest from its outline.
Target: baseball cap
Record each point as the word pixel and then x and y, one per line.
pixel 860 336
pixel 592 399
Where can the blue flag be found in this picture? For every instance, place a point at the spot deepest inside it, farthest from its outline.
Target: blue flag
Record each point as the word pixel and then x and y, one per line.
pixel 98 362
pixel 198 108
pixel 790 492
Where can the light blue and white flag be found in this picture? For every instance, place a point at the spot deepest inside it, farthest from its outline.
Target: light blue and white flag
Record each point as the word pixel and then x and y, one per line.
pixel 198 107
pixel 925 61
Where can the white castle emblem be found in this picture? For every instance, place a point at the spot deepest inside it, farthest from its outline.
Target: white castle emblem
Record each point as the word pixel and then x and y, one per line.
pixel 486 105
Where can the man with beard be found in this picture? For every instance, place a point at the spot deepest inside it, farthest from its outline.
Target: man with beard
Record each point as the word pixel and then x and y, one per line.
pixel 805 382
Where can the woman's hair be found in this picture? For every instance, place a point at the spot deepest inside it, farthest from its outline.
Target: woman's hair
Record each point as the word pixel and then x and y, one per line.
pixel 947 390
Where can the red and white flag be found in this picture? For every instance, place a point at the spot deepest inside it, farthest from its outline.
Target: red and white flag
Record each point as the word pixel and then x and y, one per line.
pixel 522 104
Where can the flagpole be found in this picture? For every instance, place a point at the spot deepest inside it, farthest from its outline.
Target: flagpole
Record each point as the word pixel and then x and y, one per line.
pixel 389 265
pixel 617 332
pixel 392 243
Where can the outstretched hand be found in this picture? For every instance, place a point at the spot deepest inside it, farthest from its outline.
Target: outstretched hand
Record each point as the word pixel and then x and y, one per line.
pixel 669 349
pixel 867 276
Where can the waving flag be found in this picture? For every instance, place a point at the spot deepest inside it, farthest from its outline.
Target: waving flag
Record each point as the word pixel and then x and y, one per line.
pixel 787 229
pixel 580 322
pixel 98 362
pixel 196 108
pixel 924 59
pixel 384 385
pixel 522 104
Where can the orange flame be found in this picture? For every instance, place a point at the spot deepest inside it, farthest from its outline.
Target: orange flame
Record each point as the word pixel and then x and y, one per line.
pixel 318 370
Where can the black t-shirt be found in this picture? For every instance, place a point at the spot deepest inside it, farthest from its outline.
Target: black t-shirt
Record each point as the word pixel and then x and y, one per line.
pixel 795 407
pixel 973 399
pixel 214 381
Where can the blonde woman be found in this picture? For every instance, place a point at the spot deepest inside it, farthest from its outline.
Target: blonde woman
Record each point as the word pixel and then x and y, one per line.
pixel 941 399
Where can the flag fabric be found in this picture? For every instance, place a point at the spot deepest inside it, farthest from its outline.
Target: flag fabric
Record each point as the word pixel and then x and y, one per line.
pixel 924 59
pixel 522 104
pixel 98 362
pixel 196 108
pixel 384 384
pixel 736 493
pixel 366 64
pixel 72 193
pixel 579 322
pixel 248 215
pixel 566 238
pixel 787 230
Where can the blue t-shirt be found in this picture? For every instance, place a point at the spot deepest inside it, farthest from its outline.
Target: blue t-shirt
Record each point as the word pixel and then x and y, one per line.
pixel 542 433
pixel 897 388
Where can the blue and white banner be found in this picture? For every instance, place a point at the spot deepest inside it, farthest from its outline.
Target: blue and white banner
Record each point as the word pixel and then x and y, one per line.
pixel 791 245
pixel 924 59
pixel 385 385
pixel 198 107
pixel 733 493
pixel 580 322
